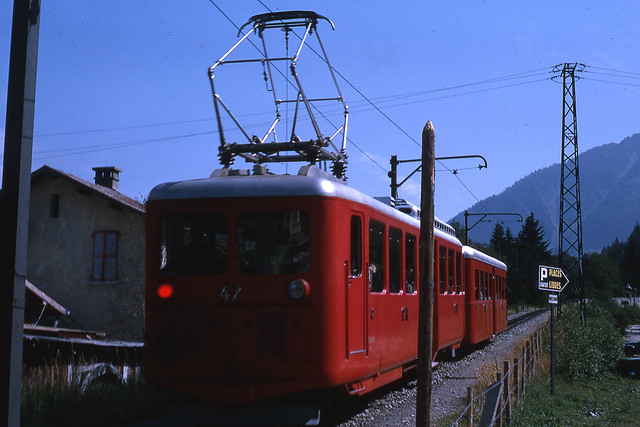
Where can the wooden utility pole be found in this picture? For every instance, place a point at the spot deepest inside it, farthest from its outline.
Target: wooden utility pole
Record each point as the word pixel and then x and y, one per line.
pixel 14 205
pixel 425 292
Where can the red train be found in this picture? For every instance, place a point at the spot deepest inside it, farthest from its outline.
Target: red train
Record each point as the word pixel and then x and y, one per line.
pixel 265 285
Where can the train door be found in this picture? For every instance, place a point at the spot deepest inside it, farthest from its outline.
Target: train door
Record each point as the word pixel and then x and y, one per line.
pixel 356 291
pixel 376 298
pixel 499 303
pixel 410 306
pixel 450 300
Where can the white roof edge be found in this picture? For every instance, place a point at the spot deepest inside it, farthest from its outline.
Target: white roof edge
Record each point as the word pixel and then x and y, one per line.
pixel 473 253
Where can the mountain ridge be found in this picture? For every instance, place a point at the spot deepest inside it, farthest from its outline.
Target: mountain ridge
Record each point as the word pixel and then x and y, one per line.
pixel 610 197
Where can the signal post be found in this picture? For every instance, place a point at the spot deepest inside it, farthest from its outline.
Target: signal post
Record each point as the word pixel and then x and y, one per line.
pixel 552 279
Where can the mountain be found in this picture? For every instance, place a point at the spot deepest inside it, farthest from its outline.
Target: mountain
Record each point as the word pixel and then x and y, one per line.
pixel 610 197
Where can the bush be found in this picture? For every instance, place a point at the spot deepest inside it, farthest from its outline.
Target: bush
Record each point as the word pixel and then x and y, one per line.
pixel 585 351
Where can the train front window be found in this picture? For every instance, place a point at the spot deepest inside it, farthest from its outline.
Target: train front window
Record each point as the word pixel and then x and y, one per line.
pixel 272 242
pixel 193 244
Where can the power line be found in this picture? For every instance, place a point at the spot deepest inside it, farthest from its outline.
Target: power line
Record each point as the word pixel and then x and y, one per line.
pixel 613 70
pixel 77 132
pixel 611 82
pixel 64 152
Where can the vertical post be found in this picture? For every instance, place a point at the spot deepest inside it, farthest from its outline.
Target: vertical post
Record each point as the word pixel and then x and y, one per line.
pixel 553 354
pixel 14 205
pixel 529 359
pixel 470 405
pixel 523 369
pixel 393 174
pixel 507 391
pixel 425 315
pixel 466 228
pixel 498 421
pixel 516 383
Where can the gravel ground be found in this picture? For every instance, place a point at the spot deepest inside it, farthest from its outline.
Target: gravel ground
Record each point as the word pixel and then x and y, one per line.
pixel 450 380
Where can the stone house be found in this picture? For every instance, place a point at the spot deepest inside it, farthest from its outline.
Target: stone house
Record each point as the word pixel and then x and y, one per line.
pixel 86 250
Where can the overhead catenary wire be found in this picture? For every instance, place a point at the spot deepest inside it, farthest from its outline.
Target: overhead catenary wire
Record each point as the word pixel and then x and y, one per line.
pixel 393 122
pixel 385 102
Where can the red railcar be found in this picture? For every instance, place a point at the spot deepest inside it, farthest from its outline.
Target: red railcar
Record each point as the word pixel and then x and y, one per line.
pixel 486 305
pixel 261 286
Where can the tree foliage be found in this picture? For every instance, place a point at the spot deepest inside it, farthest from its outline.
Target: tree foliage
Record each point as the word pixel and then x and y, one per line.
pixel 613 272
pixel 522 254
pixel 587 350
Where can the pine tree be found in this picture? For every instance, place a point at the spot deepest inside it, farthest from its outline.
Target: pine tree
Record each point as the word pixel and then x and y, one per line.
pixel 630 265
pixel 533 250
pixel 498 243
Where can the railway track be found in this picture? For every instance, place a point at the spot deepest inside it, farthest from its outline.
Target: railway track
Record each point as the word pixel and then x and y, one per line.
pixel 520 318
pixel 396 405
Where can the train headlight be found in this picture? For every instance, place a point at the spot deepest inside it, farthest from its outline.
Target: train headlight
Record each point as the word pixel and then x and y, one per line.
pixel 298 288
pixel 165 291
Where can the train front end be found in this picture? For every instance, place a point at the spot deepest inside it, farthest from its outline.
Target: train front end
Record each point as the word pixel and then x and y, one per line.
pixel 231 292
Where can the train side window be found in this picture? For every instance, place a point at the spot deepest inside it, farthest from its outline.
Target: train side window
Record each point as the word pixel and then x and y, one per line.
pixel 458 272
pixel 492 286
pixel 410 263
pixel 395 260
pixel 356 246
pixel 443 268
pixel 376 256
pixel 452 269
pixel 482 291
pixel 486 285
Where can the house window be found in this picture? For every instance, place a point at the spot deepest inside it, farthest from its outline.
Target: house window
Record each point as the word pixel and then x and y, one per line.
pixel 104 266
pixel 54 206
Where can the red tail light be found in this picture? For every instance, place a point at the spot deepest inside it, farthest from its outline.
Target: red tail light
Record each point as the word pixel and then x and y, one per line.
pixel 165 291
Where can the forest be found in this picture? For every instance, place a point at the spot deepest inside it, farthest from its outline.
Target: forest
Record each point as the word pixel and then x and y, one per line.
pixel 612 272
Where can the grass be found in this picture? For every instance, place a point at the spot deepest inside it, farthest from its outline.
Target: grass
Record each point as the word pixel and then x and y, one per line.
pixel 609 400
pixel 103 404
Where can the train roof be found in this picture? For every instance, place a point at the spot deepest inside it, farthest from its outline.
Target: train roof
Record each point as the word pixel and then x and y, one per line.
pixel 469 252
pixel 310 181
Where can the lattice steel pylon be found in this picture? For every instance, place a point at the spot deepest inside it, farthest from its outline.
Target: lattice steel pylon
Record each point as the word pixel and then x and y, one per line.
pixel 570 231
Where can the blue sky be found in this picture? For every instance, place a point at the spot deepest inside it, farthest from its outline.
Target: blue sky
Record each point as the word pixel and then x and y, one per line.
pixel 124 83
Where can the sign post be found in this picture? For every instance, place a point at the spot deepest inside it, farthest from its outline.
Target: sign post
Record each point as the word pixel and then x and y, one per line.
pixel 552 279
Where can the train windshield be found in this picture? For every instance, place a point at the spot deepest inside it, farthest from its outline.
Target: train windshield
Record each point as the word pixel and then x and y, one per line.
pixel 272 242
pixel 193 244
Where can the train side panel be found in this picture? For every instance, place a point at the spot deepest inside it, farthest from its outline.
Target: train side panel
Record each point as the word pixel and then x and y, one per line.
pixel 485 307
pixel 449 294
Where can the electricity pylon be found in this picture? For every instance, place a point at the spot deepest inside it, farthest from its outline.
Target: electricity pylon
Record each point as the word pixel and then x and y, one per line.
pixel 570 232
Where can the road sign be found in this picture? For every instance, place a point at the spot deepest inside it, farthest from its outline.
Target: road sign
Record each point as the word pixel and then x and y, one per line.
pixel 551 279
pixel 553 299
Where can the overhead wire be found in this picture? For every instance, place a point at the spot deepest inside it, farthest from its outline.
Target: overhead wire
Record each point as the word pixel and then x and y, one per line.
pixel 372 102
pixel 393 122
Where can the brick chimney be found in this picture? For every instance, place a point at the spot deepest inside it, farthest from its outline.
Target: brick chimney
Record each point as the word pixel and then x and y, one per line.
pixel 108 176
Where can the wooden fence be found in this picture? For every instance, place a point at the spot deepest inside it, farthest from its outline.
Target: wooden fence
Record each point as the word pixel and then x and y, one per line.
pixel 501 399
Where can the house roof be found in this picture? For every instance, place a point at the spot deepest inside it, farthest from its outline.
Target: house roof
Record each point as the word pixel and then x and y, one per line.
pixel 108 193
